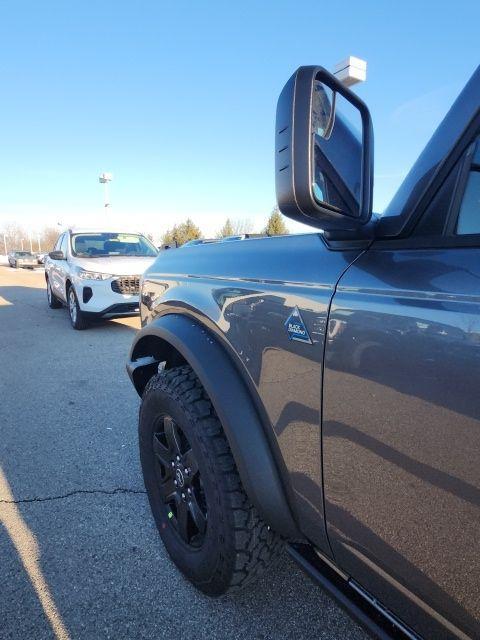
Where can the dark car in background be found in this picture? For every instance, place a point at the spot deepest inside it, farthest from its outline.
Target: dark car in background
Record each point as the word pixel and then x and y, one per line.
pixel 22 260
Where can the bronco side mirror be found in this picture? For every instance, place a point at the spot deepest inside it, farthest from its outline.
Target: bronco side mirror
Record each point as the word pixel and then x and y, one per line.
pixel 323 152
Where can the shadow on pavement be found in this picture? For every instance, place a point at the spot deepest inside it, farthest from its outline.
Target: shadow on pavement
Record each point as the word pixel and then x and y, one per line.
pixel 14 297
pixel 28 551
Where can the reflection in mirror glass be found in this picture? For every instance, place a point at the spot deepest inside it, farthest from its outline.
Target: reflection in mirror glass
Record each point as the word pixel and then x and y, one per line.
pixel 323 109
pixel 319 189
pixel 336 127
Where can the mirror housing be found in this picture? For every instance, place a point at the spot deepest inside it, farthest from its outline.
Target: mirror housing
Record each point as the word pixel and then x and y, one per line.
pixel 56 255
pixel 301 146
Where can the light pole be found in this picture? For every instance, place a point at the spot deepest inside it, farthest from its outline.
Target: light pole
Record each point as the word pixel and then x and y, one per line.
pixel 105 178
pixel 351 71
pixel 5 242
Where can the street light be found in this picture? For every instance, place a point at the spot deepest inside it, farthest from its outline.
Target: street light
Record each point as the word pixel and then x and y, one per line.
pixel 105 178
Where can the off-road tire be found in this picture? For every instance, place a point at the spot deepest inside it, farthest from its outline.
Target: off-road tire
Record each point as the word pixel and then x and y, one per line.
pixel 237 545
pixel 53 301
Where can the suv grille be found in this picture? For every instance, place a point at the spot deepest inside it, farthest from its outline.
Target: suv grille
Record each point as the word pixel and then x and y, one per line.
pixel 126 284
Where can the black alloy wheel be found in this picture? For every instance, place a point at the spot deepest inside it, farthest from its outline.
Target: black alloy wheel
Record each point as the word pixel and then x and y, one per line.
pixel 180 482
pixel 210 529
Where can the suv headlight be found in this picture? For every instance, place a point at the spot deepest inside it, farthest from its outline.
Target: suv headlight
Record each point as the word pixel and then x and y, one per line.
pixel 93 275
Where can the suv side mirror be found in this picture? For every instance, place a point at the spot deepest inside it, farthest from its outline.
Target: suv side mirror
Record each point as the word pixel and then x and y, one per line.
pixel 56 255
pixel 323 152
pixel 169 245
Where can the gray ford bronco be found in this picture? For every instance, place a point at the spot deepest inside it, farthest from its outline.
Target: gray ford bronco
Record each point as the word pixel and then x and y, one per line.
pixel 321 392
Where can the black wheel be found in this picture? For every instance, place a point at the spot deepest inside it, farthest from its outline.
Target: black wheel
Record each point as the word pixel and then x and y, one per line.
pixel 209 527
pixel 77 318
pixel 53 302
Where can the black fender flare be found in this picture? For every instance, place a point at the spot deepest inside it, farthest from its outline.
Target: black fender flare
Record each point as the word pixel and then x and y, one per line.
pixel 232 401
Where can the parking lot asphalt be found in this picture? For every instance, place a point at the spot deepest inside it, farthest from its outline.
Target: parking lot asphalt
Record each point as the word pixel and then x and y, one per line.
pixel 80 556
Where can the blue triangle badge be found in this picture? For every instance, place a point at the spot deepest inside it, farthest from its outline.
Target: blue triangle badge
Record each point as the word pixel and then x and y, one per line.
pixel 296 328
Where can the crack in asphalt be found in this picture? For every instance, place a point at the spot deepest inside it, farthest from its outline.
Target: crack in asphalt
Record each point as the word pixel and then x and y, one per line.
pixel 106 492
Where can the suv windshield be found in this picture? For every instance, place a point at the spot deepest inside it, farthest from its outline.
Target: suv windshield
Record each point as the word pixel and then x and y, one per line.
pixel 23 254
pixel 98 245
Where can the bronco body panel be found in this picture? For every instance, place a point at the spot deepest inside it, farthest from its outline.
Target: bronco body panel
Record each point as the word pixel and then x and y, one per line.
pixel 243 293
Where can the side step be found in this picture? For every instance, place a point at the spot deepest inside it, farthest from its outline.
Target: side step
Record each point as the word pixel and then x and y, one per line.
pixel 366 610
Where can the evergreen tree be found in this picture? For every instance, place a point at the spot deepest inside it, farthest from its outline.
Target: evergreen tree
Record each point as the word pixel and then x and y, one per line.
pixel 276 225
pixel 181 233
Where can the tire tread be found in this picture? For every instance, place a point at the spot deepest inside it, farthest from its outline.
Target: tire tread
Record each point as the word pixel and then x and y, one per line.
pixel 256 545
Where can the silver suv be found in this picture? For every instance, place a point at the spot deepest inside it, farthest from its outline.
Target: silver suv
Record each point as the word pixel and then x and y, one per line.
pixel 96 274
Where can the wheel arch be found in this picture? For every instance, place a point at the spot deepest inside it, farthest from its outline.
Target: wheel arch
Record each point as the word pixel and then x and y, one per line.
pixel 175 339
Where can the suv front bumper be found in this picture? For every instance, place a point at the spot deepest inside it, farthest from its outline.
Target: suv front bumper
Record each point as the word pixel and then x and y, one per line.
pixel 122 310
pixel 97 299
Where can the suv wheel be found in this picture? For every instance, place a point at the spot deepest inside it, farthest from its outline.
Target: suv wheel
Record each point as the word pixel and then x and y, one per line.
pixel 76 316
pixel 53 302
pixel 209 527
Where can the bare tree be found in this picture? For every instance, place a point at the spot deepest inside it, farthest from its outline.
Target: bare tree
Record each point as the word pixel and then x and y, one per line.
pixel 48 237
pixel 241 226
pixel 226 230
pixel 16 237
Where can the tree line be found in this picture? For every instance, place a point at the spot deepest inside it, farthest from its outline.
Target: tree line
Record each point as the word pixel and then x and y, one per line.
pixel 16 237
pixel 188 230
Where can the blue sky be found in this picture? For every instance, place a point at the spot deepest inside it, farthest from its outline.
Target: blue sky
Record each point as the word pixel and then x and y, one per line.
pixel 178 99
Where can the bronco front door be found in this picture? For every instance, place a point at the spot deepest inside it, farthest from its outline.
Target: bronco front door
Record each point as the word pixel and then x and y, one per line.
pixel 401 428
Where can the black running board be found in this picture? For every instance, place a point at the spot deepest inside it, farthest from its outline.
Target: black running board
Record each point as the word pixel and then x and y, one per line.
pixel 363 607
